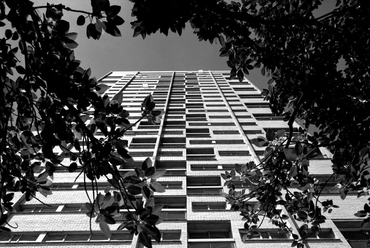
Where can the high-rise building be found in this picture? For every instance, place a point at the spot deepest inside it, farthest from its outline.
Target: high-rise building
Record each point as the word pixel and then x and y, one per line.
pixel 207 126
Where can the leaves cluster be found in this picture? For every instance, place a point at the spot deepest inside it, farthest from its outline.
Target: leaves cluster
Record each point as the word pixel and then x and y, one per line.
pixel 282 181
pixel 51 110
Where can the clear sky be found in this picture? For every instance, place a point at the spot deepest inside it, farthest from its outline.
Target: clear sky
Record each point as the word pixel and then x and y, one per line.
pixel 155 52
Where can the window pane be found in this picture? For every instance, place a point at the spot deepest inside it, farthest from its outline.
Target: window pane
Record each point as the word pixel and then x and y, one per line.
pixel 78 237
pixel 175 235
pixel 54 237
pixel 98 236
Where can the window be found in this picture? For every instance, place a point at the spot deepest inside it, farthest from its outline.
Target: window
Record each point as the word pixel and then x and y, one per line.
pixel 208 206
pixel 225 132
pixel 253 131
pixel 267 117
pixel 170 131
pixel 204 181
pixel 257 105
pixel 245 89
pixel 215 105
pixel 14 237
pixel 249 96
pixel 174 124
pixel 169 235
pixel 217 110
pixel 218 142
pixel 37 208
pixel 173 215
pixel 209 234
pixel 170 153
pixel 325 233
pixel 266 234
pixel 178 142
pixel 175 173
pixel 233 153
pixel 200 154
pixel 194 105
pixel 141 154
pixel 197 132
pixel 143 143
pixel 171 184
pixel 248 123
pixel 220 117
pixel 171 202
pixel 210 185
pixel 351 230
pixel 176 111
pixel 167 164
pixel 209 230
pixel 198 167
pixel 211 244
pixel 212 124
pixel 52 237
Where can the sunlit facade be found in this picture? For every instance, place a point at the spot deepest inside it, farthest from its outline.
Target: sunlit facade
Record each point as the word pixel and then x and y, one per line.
pixel 207 126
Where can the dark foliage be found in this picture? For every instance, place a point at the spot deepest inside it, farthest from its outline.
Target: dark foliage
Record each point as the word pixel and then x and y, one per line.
pixel 48 101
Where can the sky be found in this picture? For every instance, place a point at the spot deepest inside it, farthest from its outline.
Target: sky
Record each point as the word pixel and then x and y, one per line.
pixel 155 52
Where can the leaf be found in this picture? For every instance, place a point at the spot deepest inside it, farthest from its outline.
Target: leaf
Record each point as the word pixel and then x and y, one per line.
pixel 114 10
pixel 246 226
pixel 105 229
pixel 146 164
pixel 259 141
pixel 300 245
pixel 364 223
pixel 158 174
pixel 117 20
pixel 146 192
pixel 134 190
pixel 150 171
pixel 20 69
pixel 124 114
pixel 118 97
pixel 71 44
pixel 240 76
pixel 343 193
pixel 113 30
pixel 157 112
pixel 3 218
pixel 367 208
pixel 80 20
pixel 290 154
pixel 72 167
pixel 8 33
pixel 293 172
pixel 145 239
pixel 71 36
pixel 8 197
pixel 361 213
pixel 298 148
pixel 157 187
pixel 152 219
pixel 270 134
pixel 15 36
pixel 302 215
pixel 157 209
pixel 4 229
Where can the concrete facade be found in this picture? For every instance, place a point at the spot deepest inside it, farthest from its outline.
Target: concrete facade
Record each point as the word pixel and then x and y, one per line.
pixel 208 123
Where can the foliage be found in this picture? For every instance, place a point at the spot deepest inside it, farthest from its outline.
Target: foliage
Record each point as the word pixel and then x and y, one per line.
pixel 48 101
pixel 318 69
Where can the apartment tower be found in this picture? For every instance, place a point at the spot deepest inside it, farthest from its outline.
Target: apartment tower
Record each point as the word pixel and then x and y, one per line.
pixel 207 126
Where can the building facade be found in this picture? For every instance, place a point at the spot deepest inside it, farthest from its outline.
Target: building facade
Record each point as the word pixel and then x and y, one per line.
pixel 207 126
